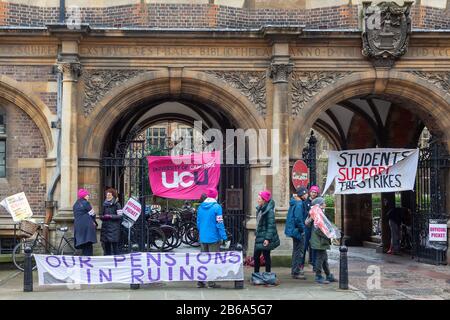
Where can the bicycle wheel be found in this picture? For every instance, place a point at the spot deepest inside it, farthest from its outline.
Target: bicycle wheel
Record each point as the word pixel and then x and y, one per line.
pixel 69 249
pixel 155 238
pixel 171 235
pixel 19 252
pixel 192 236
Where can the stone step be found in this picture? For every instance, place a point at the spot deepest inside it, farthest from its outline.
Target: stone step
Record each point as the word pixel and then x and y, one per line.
pixel 369 244
pixel 376 239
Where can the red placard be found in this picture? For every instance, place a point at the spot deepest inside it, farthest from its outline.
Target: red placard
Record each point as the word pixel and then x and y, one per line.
pixel 300 174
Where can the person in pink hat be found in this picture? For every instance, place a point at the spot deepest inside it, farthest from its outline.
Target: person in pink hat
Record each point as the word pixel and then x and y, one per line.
pixel 84 224
pixel 266 230
pixel 210 227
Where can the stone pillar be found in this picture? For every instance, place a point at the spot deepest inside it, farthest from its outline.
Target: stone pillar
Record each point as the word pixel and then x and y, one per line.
pixel 387 203
pixel 258 183
pixel 365 202
pixel 280 70
pixel 71 69
pixel 352 221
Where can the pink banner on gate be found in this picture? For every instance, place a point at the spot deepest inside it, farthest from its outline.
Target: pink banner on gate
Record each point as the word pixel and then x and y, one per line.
pixel 184 177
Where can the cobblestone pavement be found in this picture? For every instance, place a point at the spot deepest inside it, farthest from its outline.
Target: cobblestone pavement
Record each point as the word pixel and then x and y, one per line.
pixel 401 278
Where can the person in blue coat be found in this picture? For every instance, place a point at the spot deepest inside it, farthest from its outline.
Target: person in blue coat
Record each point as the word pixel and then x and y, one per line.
pixel 85 225
pixel 210 227
pixel 295 229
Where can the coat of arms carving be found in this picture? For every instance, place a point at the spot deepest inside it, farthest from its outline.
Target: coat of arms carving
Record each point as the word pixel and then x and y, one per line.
pixel 386 31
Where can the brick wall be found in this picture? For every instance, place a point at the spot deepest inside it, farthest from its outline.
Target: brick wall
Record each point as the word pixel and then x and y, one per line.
pixel 33 74
pixel 23 141
pixel 209 16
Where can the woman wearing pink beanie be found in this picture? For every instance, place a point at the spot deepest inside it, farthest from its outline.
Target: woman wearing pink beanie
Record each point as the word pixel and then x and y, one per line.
pixel 266 230
pixel 84 224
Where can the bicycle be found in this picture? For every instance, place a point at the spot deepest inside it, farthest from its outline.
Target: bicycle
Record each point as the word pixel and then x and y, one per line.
pixel 39 245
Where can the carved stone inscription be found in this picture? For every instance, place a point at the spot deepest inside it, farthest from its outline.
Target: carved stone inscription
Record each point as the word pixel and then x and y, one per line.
pixel 28 50
pixel 174 51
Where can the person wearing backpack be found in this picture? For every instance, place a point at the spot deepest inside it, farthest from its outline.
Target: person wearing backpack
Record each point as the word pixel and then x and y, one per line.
pixel 295 229
pixel 211 228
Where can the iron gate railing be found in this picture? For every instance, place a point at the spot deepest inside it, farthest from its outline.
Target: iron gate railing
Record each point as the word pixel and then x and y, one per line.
pixel 430 196
pixel 127 172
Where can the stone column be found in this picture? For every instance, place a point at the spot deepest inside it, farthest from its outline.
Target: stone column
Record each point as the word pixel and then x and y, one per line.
pixel 387 203
pixel 71 70
pixel 280 71
pixel 258 183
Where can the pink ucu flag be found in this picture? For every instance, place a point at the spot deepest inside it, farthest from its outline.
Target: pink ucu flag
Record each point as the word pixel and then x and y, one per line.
pixel 184 177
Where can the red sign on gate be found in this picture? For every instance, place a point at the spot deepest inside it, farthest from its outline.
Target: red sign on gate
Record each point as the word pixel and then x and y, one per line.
pixel 300 174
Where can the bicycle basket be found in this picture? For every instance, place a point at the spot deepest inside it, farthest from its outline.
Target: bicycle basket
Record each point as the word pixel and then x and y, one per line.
pixel 28 228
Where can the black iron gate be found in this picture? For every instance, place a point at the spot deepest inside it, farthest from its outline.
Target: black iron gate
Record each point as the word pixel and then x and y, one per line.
pixel 127 172
pixel 232 195
pixel 430 200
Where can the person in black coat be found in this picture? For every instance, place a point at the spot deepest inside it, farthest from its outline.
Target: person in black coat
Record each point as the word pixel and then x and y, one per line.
pixel 84 223
pixel 111 219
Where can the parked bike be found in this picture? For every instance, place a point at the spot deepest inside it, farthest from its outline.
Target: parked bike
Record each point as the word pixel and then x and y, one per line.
pixel 39 245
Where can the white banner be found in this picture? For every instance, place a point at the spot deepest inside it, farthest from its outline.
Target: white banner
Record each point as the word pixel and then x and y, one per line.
pixel 17 205
pixel 140 268
pixel 372 170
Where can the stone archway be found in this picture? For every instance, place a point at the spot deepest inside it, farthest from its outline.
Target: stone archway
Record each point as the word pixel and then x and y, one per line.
pixel 160 85
pixel 26 100
pixel 427 99
pixel 419 94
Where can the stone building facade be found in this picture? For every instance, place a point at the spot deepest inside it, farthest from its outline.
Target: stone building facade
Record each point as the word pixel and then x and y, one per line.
pixel 74 80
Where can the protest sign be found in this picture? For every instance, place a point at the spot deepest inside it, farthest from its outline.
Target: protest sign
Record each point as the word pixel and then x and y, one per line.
pixel 132 209
pixel 184 177
pixel 18 207
pixel 437 230
pixel 140 268
pixel 372 170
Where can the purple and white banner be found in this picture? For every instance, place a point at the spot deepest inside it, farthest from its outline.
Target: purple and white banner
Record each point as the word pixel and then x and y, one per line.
pixel 140 268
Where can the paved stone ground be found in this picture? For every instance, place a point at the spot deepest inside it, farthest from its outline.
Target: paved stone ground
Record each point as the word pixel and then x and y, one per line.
pixel 400 278
pixel 288 289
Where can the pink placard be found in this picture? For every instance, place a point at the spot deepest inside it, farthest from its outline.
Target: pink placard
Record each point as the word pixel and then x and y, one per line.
pixel 184 177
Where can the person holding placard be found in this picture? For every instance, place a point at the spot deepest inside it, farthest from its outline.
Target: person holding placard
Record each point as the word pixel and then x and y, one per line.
pixel 84 224
pixel 111 218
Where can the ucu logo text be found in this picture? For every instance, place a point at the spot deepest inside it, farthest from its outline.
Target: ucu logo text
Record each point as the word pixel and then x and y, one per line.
pixel 184 179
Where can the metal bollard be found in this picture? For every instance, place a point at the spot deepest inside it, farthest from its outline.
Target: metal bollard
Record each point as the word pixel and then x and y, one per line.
pixel 135 286
pixel 343 268
pixel 240 283
pixel 28 271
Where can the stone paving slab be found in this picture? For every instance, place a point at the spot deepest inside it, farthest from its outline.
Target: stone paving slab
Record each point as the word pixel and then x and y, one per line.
pixel 288 289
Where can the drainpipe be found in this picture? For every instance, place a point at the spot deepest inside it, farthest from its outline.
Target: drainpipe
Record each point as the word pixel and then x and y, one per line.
pixel 62 11
pixel 50 204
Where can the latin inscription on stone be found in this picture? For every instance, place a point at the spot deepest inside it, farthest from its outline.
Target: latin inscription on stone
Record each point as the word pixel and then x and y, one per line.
pixel 422 52
pixel 174 51
pixel 325 52
pixel 28 50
